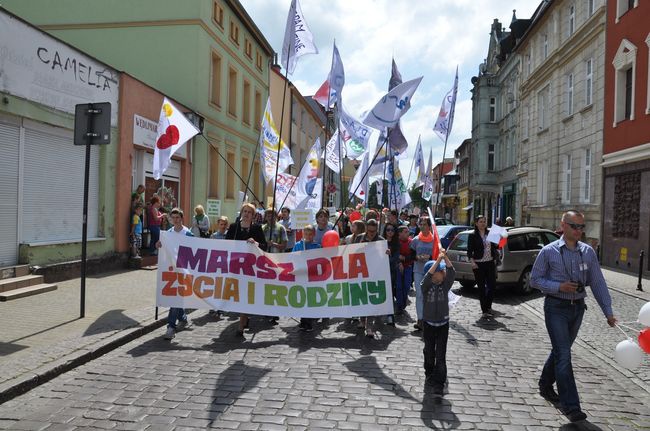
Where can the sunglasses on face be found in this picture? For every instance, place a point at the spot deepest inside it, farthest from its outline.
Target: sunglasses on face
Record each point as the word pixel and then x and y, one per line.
pixel 576 226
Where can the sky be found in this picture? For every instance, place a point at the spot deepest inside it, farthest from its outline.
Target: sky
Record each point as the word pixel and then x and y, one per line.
pixel 426 38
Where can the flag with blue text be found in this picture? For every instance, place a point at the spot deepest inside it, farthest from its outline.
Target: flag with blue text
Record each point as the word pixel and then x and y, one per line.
pixel 298 39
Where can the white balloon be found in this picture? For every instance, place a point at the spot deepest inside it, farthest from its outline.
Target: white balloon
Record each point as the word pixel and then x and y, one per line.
pixel 628 354
pixel 644 314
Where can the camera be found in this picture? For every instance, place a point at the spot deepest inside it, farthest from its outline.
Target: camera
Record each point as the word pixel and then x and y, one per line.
pixel 581 286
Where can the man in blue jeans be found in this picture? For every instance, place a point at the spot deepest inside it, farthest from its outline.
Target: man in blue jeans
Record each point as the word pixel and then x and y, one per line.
pixel 561 271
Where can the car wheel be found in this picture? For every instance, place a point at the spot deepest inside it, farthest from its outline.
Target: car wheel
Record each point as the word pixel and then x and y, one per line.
pixel 467 284
pixel 525 288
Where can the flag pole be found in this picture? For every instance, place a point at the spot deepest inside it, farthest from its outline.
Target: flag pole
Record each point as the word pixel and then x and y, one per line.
pixel 393 181
pixel 338 139
pixel 435 212
pixel 363 177
pixel 412 164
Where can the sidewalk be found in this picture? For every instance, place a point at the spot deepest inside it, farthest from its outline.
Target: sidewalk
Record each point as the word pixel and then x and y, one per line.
pixel 43 336
pixel 627 283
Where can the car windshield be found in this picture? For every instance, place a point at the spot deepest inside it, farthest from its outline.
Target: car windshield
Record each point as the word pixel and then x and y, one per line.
pixel 460 242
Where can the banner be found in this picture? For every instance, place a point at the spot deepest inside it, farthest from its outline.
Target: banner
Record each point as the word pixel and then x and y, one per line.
pixel 239 277
pixel 285 194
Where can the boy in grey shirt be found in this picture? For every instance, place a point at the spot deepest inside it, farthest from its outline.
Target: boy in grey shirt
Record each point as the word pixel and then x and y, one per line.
pixel 438 279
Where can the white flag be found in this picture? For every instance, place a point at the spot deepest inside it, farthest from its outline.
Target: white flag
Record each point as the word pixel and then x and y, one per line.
pixel 285 191
pixel 308 178
pixel 334 152
pixel 269 141
pixel 358 187
pixel 398 196
pixel 427 190
pixel 173 131
pixel 418 164
pixel 354 133
pixel 298 39
pixel 392 106
pixel 330 91
pixel 445 120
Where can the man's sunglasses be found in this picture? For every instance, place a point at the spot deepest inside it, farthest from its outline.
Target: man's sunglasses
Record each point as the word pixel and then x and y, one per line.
pixel 576 226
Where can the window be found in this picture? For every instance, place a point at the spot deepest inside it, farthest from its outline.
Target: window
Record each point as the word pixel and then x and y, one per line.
pixel 572 19
pixel 542 109
pixel 248 48
pixel 232 92
pixel 589 81
pixel 542 182
pixel 624 81
pixel 493 109
pixel 230 176
pixel 217 14
pixel 623 6
pixel 490 157
pixel 569 94
pixel 215 90
pixel 528 65
pixel 585 190
pixel 535 240
pixel 258 110
pixel 526 122
pixel 591 7
pixel 234 32
pixel 256 177
pixel 544 46
pixel 517 242
pixel 629 84
pixel 258 61
pixel 246 103
pixel 213 181
pixel 566 179
pixel 244 172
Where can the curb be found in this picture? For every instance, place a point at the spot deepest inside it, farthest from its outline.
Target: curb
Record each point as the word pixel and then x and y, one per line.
pixel 20 385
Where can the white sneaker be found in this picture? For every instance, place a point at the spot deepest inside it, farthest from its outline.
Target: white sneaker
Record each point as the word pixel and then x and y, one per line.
pixel 170 334
pixel 183 324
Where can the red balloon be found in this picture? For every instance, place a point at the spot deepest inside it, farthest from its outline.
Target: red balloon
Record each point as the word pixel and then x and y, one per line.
pixel 330 239
pixel 355 215
pixel 644 340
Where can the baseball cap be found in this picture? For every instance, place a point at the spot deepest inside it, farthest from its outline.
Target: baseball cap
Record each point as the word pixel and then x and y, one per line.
pixel 441 266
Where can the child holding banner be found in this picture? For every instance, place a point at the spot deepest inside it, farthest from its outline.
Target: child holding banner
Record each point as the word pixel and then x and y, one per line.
pixel 437 281
pixel 306 243
pixel 177 318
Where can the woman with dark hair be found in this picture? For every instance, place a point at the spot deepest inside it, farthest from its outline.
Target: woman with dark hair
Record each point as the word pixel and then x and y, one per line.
pixel 483 255
pixel 390 234
pixel 343 226
pixel 358 228
pixel 244 229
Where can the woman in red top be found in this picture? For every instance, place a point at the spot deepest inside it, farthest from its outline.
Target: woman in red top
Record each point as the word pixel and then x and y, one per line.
pixel 405 270
pixel 154 219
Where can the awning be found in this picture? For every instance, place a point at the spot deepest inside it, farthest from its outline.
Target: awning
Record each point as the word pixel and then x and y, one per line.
pixel 469 207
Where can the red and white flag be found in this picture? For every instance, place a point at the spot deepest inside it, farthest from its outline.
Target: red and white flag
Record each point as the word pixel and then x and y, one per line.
pixel 330 92
pixel 173 131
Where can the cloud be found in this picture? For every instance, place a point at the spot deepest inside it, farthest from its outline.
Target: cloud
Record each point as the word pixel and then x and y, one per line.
pixel 426 39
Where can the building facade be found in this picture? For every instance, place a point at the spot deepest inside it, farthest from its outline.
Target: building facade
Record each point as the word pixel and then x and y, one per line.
pixel 561 114
pixel 464 167
pixel 495 125
pixel 41 170
pixel 208 55
pixel 626 151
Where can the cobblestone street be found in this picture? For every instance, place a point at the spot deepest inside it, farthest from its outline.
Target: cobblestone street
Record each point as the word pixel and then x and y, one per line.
pixel 335 378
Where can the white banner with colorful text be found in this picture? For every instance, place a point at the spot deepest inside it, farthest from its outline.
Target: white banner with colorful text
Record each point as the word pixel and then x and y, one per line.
pixel 346 281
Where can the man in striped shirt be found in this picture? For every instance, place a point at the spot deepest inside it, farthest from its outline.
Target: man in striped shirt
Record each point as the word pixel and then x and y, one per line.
pixel 561 271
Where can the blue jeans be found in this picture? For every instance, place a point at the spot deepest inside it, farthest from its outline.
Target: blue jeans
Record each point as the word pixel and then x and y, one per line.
pixel 419 298
pixel 404 280
pixel 155 236
pixel 175 314
pixel 563 320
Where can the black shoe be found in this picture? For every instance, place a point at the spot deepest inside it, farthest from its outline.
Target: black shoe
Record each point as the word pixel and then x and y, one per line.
pixel 549 394
pixel 576 416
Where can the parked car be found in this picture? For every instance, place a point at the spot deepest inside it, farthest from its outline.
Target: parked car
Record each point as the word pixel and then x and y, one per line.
pixel 442 221
pixel 448 232
pixel 518 256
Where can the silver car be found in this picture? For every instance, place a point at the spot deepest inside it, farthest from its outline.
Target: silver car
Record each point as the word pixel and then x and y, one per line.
pixel 518 256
